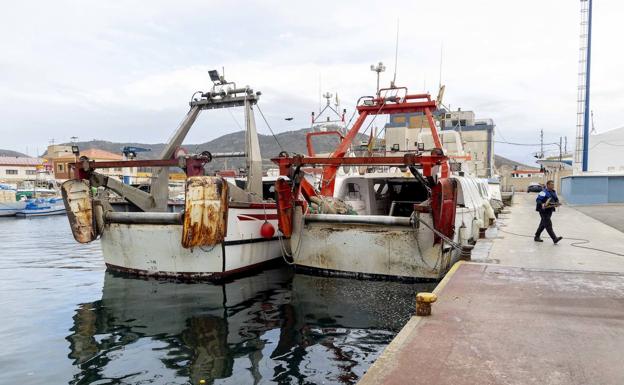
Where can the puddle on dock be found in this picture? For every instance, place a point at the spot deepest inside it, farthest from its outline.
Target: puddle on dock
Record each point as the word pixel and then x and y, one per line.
pixel 71 322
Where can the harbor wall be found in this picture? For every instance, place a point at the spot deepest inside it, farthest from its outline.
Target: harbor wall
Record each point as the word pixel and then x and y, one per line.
pixel 593 189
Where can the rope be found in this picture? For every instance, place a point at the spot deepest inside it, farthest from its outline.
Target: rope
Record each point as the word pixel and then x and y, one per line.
pixel 270 129
pixel 578 242
pixel 298 248
pixel 452 243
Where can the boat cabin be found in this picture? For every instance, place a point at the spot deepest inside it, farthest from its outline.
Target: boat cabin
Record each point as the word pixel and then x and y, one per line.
pixel 382 194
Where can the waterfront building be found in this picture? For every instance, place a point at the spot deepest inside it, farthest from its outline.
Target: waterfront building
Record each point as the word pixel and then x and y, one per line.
pixel 17 169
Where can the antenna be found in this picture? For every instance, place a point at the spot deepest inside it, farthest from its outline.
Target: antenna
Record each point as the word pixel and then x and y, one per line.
pixel 379 68
pixel 441 54
pixel 541 142
pixel 320 93
pixel 396 55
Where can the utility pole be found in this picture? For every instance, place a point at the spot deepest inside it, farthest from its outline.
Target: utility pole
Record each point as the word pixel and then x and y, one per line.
pixel 565 151
pixel 560 154
pixel 541 142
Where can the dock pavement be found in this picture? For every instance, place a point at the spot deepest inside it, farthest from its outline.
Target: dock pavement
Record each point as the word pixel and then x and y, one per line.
pixel 521 312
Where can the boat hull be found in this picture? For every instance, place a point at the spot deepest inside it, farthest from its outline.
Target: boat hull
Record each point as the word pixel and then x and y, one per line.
pixel 156 249
pixel 41 212
pixel 9 209
pixel 369 251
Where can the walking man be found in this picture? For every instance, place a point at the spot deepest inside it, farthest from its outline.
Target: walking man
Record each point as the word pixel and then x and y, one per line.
pixel 546 203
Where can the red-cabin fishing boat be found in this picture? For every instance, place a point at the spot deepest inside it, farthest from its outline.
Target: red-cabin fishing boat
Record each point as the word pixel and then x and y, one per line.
pixel 408 225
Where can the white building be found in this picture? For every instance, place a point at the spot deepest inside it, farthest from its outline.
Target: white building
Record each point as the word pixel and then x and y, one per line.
pixel 16 169
pixel 606 152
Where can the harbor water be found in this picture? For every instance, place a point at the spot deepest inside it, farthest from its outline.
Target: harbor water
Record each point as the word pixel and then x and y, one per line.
pixel 65 320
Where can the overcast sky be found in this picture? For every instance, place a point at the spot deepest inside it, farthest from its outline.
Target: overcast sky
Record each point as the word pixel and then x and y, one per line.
pixel 124 71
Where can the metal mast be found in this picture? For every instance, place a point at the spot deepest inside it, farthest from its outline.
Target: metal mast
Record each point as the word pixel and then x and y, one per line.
pixel 582 101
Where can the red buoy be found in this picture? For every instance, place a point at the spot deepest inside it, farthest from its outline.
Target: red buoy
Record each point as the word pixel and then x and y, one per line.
pixel 267 230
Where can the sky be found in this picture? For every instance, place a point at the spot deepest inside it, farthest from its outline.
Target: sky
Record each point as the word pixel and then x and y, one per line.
pixel 125 70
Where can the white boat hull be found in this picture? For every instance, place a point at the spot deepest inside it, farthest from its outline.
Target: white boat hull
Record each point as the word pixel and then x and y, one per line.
pixel 9 209
pixel 369 251
pixel 386 251
pixel 156 249
pixel 41 212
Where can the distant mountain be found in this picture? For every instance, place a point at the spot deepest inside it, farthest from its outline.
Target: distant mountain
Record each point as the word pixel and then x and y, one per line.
pixel 12 153
pixel 502 161
pixel 293 142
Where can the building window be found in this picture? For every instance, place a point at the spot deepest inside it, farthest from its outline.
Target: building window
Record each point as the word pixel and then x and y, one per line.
pixel 60 167
pixel 31 172
pixel 11 172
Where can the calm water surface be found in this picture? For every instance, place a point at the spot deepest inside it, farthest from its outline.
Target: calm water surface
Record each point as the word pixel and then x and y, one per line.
pixel 64 320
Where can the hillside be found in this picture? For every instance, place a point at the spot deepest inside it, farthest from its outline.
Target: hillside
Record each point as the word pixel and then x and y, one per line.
pixel 502 161
pixel 290 141
pixel 12 153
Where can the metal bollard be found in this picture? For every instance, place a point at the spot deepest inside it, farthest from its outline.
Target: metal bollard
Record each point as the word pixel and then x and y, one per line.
pixel 466 252
pixel 423 303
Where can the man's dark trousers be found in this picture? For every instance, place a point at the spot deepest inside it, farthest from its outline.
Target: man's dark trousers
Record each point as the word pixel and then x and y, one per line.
pixel 546 224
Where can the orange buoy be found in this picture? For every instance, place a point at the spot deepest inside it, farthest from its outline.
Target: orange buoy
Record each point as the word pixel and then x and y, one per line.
pixel 267 230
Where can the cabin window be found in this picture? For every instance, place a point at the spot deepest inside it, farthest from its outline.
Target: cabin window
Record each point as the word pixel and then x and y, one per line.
pixel 31 172
pixel 381 190
pixel 11 172
pixel 353 191
pixel 60 167
pixel 268 191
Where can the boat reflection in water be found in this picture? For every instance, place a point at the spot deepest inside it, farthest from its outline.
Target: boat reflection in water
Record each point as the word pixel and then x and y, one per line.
pixel 271 327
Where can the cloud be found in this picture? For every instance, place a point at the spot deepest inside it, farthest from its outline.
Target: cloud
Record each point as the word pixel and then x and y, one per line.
pixel 116 70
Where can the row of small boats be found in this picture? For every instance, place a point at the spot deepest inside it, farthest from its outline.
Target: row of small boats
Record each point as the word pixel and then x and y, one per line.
pixel 405 212
pixel 10 206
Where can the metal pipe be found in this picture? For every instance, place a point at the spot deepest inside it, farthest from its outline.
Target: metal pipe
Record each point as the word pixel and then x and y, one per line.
pixel 359 219
pixel 239 154
pixel 143 218
pixel 585 164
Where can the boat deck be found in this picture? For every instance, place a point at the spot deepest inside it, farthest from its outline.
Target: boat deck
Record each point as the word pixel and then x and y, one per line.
pixel 530 313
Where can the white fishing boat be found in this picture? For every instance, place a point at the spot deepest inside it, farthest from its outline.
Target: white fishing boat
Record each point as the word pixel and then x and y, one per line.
pixel 220 230
pixel 9 205
pixel 410 224
pixel 39 207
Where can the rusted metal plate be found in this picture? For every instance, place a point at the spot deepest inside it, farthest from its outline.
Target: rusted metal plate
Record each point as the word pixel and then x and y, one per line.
pixel 79 210
pixel 205 214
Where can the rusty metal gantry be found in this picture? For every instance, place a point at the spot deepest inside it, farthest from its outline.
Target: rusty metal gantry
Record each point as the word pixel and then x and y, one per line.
pixel 387 101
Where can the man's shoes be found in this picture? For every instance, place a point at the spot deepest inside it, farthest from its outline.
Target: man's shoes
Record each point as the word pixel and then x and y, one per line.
pixel 556 240
pixel 538 239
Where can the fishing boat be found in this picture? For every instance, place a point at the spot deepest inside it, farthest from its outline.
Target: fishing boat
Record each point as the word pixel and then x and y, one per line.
pixel 224 226
pixel 410 224
pixel 39 207
pixel 9 205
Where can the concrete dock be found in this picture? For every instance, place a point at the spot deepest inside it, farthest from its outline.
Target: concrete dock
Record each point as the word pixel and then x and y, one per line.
pixel 521 312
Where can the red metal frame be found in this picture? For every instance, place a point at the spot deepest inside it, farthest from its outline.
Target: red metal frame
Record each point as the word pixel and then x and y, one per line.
pixel 320 133
pixel 380 105
pixel 192 166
